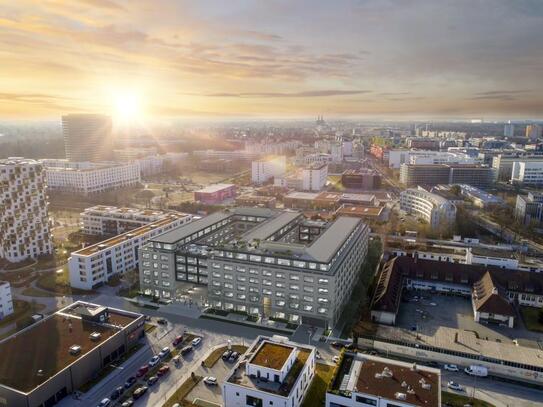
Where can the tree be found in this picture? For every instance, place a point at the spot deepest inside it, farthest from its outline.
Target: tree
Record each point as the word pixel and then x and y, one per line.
pixel 147 195
pixel 456 190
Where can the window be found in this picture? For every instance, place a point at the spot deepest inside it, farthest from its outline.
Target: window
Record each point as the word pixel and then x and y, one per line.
pixel 366 400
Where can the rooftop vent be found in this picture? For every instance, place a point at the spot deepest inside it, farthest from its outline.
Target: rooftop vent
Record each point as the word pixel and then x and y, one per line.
pixel 75 350
pixel 410 390
pixel 414 367
pixel 386 372
pixel 400 396
pixel 95 336
pixel 426 386
pixel 404 384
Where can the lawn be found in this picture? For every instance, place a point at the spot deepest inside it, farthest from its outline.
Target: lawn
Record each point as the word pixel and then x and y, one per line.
pixel 59 283
pixel 530 316
pixel 317 392
pixel 20 310
pixel 183 391
pixel 214 356
pixel 34 292
pixel 459 400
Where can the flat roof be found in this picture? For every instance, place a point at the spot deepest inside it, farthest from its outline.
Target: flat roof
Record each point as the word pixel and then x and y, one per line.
pixel 269 227
pixel 184 231
pixel 215 188
pixel 95 248
pixel 272 355
pixel 33 355
pixel 361 211
pixel 327 245
pixel 302 195
pixel 382 377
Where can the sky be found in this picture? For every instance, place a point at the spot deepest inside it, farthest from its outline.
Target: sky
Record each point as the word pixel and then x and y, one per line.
pixel 366 58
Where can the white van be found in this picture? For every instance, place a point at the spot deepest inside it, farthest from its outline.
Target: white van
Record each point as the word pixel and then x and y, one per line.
pixel 475 370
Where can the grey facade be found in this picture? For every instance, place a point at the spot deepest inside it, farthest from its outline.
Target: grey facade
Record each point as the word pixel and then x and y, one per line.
pixel 265 263
pixel 529 209
pixel 434 174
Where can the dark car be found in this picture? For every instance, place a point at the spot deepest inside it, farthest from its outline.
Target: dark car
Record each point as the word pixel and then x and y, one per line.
pixel 140 391
pixel 226 354
pixel 233 357
pixel 142 370
pixel 117 393
pixel 152 380
pixel 186 349
pixel 130 382
pixel 177 340
pixel 162 321
pixel 337 344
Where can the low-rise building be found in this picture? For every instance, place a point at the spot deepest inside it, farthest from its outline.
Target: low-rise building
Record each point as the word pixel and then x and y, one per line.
pixel 369 213
pixel 6 302
pixel 94 265
pixel 256 200
pixel 326 200
pixel 111 220
pixel 273 372
pixel 215 194
pixel 54 357
pixel 436 210
pixel 529 209
pixel 365 380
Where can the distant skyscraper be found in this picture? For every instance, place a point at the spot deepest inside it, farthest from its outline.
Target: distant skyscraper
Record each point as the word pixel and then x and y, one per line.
pixel 509 129
pixel 24 219
pixel 87 137
pixel 533 131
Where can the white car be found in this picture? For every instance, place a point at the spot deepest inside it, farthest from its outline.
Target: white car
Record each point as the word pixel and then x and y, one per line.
pixel 196 341
pixel 210 380
pixel 104 403
pixel 454 386
pixel 164 352
pixel 154 361
pixel 335 359
pixel 451 368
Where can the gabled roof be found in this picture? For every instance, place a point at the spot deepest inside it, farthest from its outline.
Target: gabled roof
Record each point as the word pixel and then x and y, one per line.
pixel 490 297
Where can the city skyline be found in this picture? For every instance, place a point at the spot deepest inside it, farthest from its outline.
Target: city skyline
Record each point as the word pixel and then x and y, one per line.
pixel 386 59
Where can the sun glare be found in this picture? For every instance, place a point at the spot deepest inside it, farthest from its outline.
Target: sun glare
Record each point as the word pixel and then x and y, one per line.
pixel 128 107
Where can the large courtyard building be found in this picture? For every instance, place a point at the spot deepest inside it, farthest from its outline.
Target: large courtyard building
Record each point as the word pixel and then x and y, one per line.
pixel 87 137
pixel 111 220
pixel 24 217
pixel 433 174
pixel 6 301
pixel 436 210
pixel 87 178
pixel 94 265
pixel 365 380
pixel 273 372
pixel 263 262
pixel 54 357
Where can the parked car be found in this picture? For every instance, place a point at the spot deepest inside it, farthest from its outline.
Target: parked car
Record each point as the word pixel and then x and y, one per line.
pixel 140 391
pixel 177 340
pixel 454 386
pixel 142 371
pixel 210 380
pixel 350 346
pixel 162 321
pixel 128 403
pixel 233 357
pixel 451 368
pixel 226 354
pixel 337 344
pixel 152 380
pixel 475 370
pixel 164 352
pixel 154 361
pixel 104 403
pixel 130 382
pixel 335 359
pixel 117 393
pixel 186 349
pixel 163 370
pixel 176 360
pixel 196 341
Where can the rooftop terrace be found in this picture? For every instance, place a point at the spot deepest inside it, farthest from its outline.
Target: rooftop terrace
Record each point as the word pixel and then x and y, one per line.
pixel 272 355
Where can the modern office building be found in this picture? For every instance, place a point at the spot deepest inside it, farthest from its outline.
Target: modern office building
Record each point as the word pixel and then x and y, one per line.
pixel 534 131
pixel 94 265
pixel 503 164
pixel 263 262
pixel 436 210
pixel 433 174
pixel 54 357
pixel 273 372
pixel 527 173
pixel 266 169
pixel 314 177
pixel 358 179
pixel 216 194
pixel 365 380
pixel 111 220
pixel 88 178
pixel 6 302
pixel 87 137
pixel 529 208
pixel 509 129
pixel 426 157
pixel 24 217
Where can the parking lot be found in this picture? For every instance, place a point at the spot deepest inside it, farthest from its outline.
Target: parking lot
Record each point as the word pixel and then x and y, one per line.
pixel 428 312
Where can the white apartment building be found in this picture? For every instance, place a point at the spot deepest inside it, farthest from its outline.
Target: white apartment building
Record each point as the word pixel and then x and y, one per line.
pixel 266 169
pixel 398 157
pixel 95 265
pixel 111 220
pixel 435 209
pixel 379 382
pixel 150 165
pixel 24 217
pixel 271 147
pixel 273 372
pixel 6 303
pixel 87 178
pixel 336 151
pixel 527 173
pixel 314 177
